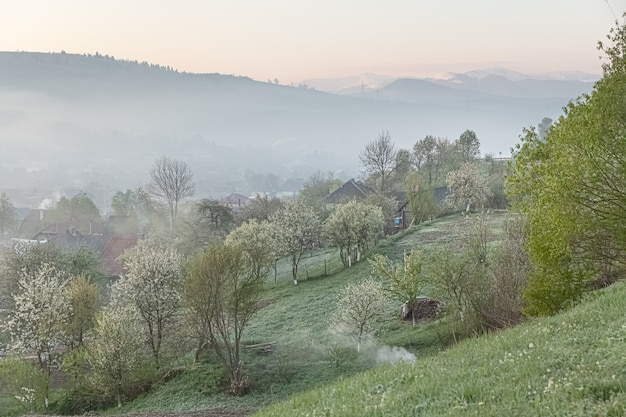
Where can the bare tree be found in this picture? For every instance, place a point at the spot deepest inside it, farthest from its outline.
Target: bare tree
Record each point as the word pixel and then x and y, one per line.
pixel 378 159
pixel 171 180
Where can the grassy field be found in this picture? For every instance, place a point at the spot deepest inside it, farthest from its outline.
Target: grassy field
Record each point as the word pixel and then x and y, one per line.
pixel 568 365
pixel 306 354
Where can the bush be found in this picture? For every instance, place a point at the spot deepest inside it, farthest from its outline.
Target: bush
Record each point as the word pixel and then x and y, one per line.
pixel 23 382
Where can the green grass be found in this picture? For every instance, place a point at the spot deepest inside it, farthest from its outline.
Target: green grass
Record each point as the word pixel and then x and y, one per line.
pixel 307 354
pixel 572 364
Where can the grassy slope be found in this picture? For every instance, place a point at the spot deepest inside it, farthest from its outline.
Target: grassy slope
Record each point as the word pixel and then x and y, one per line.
pixel 307 355
pixel 572 364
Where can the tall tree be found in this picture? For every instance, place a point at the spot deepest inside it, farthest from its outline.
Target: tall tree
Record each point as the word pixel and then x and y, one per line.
pixel 79 207
pixel 221 294
pixel 7 214
pixel 316 187
pixel 468 146
pixel 379 159
pixel 171 180
pixel 114 350
pixel 153 285
pixel 84 301
pixel 433 158
pixel 421 197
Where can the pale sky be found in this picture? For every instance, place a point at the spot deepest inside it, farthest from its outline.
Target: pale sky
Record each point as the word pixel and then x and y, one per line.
pixel 294 40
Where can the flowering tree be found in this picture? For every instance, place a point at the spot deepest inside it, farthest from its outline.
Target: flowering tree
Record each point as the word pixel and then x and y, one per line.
pixel 298 228
pixel 352 227
pixel 359 309
pixel 39 314
pixel 114 350
pixel 153 285
pixel 468 186
pixel 41 309
pixel 257 240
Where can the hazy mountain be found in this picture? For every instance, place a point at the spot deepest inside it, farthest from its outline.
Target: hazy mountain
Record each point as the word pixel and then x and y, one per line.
pixel 93 121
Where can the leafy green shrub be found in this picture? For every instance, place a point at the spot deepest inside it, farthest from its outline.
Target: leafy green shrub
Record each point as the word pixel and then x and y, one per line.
pixel 24 383
pixel 552 290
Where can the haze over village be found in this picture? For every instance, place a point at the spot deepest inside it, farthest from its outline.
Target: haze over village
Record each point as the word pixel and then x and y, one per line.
pixel 275 208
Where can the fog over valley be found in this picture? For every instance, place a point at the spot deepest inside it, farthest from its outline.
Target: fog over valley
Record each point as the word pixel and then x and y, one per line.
pixel 90 122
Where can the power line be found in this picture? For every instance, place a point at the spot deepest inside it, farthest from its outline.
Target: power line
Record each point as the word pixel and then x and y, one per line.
pixel 611 9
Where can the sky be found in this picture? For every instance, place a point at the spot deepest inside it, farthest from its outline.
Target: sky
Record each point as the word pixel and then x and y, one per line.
pixel 295 40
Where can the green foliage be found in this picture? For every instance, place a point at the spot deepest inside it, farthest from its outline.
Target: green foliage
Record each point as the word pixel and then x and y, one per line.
pixel 221 294
pixel 467 146
pixel 79 207
pixel 84 300
pixel 114 352
pixel 405 279
pixel 24 386
pixel 421 198
pixel 569 186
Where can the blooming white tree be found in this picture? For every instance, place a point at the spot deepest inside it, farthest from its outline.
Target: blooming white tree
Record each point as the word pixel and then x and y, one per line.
pixel 352 227
pixel 153 284
pixel 41 309
pixel 468 186
pixel 40 312
pixel 115 348
pixel 298 228
pixel 257 240
pixel 360 309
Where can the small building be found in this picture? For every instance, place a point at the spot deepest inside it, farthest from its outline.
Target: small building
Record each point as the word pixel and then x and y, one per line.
pixel 235 201
pixel 350 190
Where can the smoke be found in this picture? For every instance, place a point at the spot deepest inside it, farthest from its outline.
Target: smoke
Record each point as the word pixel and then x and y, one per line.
pixel 46 204
pixel 394 354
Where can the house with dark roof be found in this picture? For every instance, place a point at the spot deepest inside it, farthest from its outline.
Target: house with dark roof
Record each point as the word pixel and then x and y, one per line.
pixel 350 190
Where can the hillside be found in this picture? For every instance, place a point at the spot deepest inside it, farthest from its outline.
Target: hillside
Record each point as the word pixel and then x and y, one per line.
pixel 567 365
pixel 105 121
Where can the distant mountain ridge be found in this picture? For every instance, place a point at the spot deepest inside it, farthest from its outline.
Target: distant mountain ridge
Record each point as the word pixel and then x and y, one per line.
pixel 496 81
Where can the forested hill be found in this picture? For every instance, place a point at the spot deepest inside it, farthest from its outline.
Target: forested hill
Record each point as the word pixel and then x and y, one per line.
pixel 98 112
